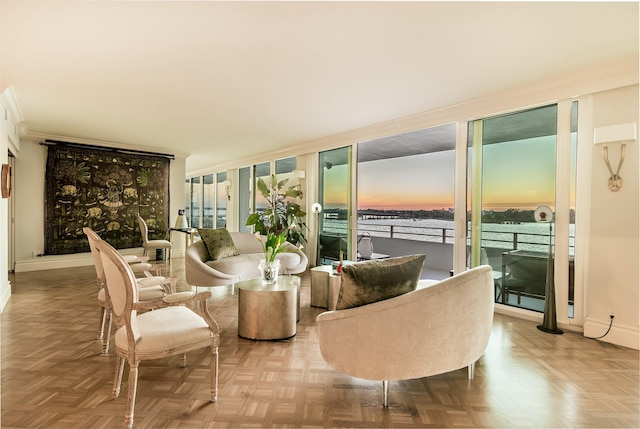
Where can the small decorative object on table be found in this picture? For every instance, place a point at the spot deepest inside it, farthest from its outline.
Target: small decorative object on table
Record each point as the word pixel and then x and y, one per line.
pixel 365 246
pixel 337 266
pixel 269 271
pixel 270 266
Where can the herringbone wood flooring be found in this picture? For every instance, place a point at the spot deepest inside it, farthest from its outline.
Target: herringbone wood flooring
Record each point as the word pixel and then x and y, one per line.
pixel 53 375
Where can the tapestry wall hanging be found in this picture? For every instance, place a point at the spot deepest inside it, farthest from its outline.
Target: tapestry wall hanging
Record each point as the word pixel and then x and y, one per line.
pixel 104 190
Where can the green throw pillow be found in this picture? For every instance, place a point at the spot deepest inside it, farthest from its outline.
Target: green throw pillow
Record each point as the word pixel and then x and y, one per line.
pixel 218 242
pixel 372 281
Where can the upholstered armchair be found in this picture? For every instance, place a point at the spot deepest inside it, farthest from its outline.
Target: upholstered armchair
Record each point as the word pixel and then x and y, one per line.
pixel 432 330
pixel 170 329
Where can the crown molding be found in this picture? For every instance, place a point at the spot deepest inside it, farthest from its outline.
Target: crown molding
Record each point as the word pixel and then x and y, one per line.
pixel 605 77
pixel 608 76
pixel 42 136
pixel 10 102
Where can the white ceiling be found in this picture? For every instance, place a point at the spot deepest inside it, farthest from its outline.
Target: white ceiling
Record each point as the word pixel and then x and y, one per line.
pixel 223 81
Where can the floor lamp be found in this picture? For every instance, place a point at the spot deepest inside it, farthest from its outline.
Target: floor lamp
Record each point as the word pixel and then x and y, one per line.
pixel 549 323
pixel 316 208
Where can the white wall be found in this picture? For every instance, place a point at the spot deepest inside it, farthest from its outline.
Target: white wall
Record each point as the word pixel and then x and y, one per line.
pixel 8 141
pixel 611 280
pixel 5 287
pixel 29 226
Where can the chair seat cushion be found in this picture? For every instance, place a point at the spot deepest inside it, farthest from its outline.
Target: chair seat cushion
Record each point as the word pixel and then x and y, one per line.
pixel 159 244
pixel 372 281
pixel 165 331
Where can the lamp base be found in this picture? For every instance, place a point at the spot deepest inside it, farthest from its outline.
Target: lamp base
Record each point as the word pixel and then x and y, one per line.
pixel 549 330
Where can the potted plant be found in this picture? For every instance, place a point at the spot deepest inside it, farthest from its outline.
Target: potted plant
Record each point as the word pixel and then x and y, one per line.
pixel 281 222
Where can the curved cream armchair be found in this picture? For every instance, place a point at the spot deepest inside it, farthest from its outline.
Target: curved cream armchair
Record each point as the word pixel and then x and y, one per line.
pixel 435 329
pixel 201 272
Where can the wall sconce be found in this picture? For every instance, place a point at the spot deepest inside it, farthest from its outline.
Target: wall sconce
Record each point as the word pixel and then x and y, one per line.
pixel 6 180
pixel 611 134
pixel 299 174
pixel 227 187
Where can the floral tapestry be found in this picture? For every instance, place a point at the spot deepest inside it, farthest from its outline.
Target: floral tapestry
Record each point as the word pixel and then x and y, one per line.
pixel 104 190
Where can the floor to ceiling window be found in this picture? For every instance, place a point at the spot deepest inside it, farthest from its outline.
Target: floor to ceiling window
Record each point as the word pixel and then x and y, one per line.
pixel 194 202
pixel 222 189
pixel 572 207
pixel 244 198
pixel 512 171
pixel 405 196
pixel 260 171
pixel 285 168
pixel 208 196
pixel 334 195
pixel 187 200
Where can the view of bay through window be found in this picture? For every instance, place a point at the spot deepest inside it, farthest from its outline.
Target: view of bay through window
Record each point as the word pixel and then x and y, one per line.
pixel 406 196
pixel 221 200
pixel 512 172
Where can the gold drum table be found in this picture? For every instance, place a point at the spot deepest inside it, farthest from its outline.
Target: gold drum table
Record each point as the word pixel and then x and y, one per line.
pixel 325 287
pixel 268 312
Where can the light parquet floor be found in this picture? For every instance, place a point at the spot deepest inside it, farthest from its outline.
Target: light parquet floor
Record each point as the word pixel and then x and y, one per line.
pixel 53 375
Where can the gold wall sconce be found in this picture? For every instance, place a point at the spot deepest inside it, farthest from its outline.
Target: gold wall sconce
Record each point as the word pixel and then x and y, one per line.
pixel 621 133
pixel 227 188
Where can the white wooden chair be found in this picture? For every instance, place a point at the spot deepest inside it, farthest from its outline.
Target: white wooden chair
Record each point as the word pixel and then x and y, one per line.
pixel 170 329
pixel 152 244
pixel 150 287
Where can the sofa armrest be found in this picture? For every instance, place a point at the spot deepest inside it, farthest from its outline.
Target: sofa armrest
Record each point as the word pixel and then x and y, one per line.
pixel 302 265
pixel 198 273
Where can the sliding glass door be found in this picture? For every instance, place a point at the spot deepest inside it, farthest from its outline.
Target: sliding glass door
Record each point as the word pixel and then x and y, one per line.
pixel 512 172
pixel 334 195
pixel 409 209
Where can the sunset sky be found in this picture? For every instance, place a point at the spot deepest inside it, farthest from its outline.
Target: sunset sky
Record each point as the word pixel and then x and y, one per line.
pixel 518 174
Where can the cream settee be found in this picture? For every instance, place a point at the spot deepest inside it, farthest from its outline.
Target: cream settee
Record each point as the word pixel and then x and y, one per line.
pixel 437 328
pixel 200 271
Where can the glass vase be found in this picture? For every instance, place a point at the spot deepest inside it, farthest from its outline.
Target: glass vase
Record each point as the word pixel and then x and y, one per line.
pixel 269 271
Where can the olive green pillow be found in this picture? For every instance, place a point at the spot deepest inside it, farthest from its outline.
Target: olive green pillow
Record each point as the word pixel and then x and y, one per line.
pixel 218 242
pixel 372 281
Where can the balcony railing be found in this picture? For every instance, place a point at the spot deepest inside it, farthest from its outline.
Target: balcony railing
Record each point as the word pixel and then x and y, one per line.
pixel 491 237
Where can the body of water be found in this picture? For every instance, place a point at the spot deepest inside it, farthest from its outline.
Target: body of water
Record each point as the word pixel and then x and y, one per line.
pixel 526 236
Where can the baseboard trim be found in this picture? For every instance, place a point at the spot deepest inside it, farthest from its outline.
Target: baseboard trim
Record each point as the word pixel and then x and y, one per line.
pixel 625 336
pixel 5 295
pixel 70 261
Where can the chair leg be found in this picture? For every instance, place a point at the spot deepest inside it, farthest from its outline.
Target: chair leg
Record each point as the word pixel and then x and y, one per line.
pixel 471 368
pixel 214 373
pixel 385 393
pixel 131 397
pixel 107 334
pixel 103 316
pixel 117 381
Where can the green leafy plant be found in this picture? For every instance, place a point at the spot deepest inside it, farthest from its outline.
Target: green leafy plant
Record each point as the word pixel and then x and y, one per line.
pixel 282 220
pixel 274 244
